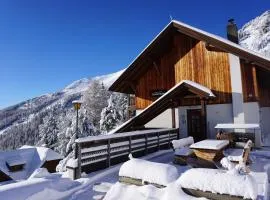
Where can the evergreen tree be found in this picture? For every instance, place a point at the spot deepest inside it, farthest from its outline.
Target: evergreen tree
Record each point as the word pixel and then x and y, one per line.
pixel 115 113
pixel 95 99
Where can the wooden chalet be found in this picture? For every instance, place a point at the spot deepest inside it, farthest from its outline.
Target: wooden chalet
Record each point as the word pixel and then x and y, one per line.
pixel 170 76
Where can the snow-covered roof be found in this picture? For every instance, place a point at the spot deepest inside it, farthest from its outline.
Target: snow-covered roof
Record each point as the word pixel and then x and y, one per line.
pixel 16 160
pixel 195 88
pixel 237 126
pixel 31 157
pixel 45 153
pixel 199 34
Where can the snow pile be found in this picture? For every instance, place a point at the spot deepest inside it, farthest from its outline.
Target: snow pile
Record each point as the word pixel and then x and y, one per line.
pixel 102 187
pixel 235 158
pixel 152 172
pixel 121 191
pixel 177 144
pixel 227 164
pixel 210 144
pixel 219 181
pixel 40 173
pixel 185 151
pixel 73 163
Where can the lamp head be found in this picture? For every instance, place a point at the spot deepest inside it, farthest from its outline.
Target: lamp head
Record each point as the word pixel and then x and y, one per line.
pixel 77 104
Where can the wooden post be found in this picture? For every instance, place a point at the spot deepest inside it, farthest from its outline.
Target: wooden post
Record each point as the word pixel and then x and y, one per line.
pixel 109 153
pixel 173 118
pixel 169 139
pixel 203 118
pixel 79 159
pixel 255 83
pixel 158 141
pixel 129 144
pixel 146 144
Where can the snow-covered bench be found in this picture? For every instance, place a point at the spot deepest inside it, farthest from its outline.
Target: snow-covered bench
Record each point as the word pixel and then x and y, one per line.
pixel 182 150
pixel 218 184
pixel 236 156
pixel 143 172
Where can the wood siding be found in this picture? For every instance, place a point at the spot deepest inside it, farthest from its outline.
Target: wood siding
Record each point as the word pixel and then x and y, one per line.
pixel 264 87
pixel 256 84
pixel 188 59
pixel 51 165
pixel 4 177
pixel 248 82
pixel 158 76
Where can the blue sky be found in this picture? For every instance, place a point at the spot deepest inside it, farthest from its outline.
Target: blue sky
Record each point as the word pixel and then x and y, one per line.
pixel 45 45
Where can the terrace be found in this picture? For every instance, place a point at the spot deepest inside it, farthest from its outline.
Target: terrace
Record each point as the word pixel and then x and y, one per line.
pixel 154 145
pixel 96 184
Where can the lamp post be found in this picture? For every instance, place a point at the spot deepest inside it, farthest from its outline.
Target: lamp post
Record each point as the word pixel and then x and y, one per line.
pixel 77 105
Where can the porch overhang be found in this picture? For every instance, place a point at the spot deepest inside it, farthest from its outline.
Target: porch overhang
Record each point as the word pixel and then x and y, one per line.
pixel 170 99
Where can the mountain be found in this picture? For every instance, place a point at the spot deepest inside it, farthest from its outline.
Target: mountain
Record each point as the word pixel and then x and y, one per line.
pixel 255 35
pixel 25 121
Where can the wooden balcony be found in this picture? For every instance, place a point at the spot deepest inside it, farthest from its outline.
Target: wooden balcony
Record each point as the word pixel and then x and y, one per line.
pixel 99 152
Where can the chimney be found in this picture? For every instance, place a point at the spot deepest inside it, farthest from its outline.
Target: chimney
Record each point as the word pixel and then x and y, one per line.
pixel 232 31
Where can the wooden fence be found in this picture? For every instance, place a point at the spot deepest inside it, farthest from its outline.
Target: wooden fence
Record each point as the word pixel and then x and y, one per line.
pixel 99 152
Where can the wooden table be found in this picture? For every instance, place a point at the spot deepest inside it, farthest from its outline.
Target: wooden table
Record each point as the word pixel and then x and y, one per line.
pixel 210 149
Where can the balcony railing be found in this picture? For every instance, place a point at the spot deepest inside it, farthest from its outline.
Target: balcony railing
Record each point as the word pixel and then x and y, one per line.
pixel 99 152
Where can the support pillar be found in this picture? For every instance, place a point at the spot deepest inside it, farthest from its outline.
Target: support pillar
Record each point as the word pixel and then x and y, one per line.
pixel 237 90
pixel 173 118
pixel 203 118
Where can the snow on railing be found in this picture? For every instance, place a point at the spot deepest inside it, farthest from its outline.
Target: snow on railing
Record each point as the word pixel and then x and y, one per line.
pixel 98 152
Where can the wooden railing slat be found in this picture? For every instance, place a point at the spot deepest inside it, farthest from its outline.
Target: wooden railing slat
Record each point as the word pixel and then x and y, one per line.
pixel 104 150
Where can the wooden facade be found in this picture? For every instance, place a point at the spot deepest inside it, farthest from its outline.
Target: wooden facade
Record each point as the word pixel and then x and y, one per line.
pixel 4 177
pixel 187 59
pixel 263 77
pixel 181 52
pixel 51 165
pixel 256 84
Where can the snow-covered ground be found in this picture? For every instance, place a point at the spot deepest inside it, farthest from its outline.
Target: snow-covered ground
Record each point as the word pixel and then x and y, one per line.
pixel 96 184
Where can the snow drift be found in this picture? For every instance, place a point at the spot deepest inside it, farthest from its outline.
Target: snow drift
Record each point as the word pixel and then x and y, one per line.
pixel 148 171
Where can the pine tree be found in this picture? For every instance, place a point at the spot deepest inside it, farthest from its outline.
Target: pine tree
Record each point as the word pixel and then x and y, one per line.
pixel 94 100
pixel 115 113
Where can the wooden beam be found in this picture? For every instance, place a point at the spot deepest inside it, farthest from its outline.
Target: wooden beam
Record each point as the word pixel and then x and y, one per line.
pixel 211 47
pixel 203 118
pixel 131 84
pixel 173 118
pixel 157 68
pixel 255 83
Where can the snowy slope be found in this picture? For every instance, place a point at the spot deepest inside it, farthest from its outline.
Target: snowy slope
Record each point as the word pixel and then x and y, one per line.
pixel 255 35
pixel 58 104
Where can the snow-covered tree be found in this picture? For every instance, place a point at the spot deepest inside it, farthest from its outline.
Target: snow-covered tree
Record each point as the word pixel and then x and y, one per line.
pixel 115 113
pixel 94 100
pixel 48 130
